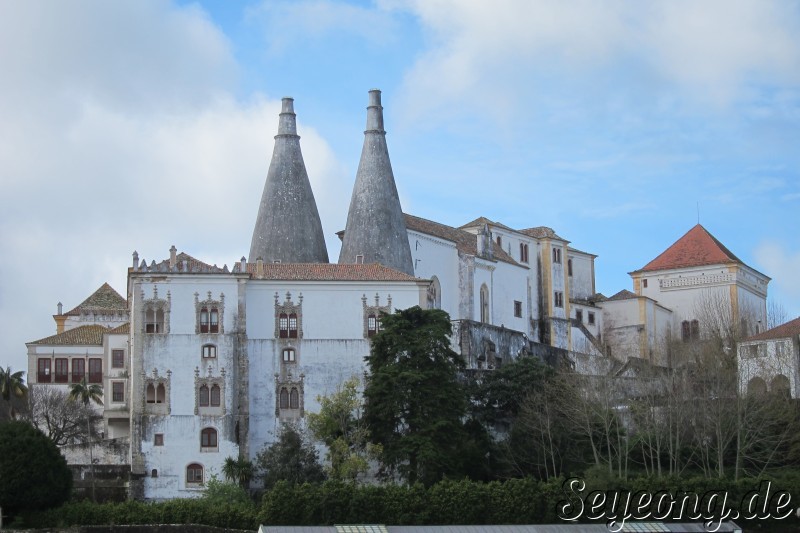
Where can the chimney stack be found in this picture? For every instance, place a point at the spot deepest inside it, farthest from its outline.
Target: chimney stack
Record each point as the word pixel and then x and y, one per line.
pixel 172 256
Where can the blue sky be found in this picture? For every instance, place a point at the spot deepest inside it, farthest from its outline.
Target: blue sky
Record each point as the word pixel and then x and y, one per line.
pixel 136 125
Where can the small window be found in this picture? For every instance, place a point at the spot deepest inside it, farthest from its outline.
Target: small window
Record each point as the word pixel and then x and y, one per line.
pixel 78 370
pixel 95 370
pixel 591 318
pixel 499 241
pixel 293 325
pixel 158 440
pixel 556 255
pixel 523 252
pixel 161 393
pixel 150 395
pixel 695 329
pixel 569 267
pixel 203 396
pixel 283 325
pixel 288 355
pixel 208 438
pixel 579 315
pixel 62 370
pixel 118 391
pixel 214 325
pixel 154 472
pixel 204 320
pixel 194 474
pixel 43 371
pixel 209 351
pixel 644 283
pixel 117 358
pixel 372 325
pixel 294 399
pixel 215 395
pixel 154 321
pixel 558 299
pixel 690 330
pixel 517 309
pixel 359 259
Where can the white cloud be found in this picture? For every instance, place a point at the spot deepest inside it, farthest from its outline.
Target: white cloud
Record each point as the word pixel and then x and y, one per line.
pixel 119 132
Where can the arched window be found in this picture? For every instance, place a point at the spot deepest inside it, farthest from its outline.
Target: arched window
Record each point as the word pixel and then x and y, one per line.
pixel 569 268
pixel 154 473
pixel 194 474
pixel 283 325
pixel 151 393
pixel 372 325
pixel 434 294
pixel 288 355
pixel 523 252
pixel 284 400
pixel 209 351
pixel 757 386
pixel 293 325
pixel 161 393
pixel 208 438
pixel 484 303
pixel 499 241
pixel 203 396
pixel 294 399
pixel 780 385
pixel 215 395
pixel 204 320
pixel 214 321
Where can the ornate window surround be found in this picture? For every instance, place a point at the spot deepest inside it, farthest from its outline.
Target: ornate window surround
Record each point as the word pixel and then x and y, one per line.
pixel 288 383
pixel 374 311
pixel 156 380
pixel 209 303
pixel 209 380
pixel 288 308
pixel 156 304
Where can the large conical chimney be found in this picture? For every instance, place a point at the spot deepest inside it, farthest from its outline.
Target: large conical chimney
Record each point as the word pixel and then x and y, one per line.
pixel 376 231
pixel 288 228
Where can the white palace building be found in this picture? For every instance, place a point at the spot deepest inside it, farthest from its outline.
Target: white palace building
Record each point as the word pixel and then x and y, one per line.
pixel 199 363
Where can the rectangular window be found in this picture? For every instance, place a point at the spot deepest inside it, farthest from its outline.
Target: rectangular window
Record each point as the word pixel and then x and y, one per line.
pixel 118 391
pixel 591 318
pixel 644 283
pixel 62 370
pixel 158 440
pixel 517 309
pixel 214 327
pixel 293 326
pixel 288 355
pixel 117 358
pixel 78 370
pixel 209 351
pixel 558 299
pixel 579 315
pixel 43 371
pixel 95 370
pixel 569 267
pixel 283 325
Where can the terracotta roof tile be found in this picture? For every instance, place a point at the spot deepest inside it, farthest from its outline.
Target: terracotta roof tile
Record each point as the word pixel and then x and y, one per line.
pixel 624 294
pixel 103 299
pixel 789 329
pixel 465 241
pixel 696 248
pixel 327 272
pixel 192 265
pixel 80 336
pixel 480 221
pixel 542 232
pixel 124 329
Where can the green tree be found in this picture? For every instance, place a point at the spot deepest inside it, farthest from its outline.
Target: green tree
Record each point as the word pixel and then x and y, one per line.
pixel 238 470
pixel 291 458
pixel 33 474
pixel 85 393
pixel 12 385
pixel 414 402
pixel 340 426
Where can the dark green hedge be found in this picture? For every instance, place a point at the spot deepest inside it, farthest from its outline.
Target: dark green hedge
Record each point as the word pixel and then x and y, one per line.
pixel 516 501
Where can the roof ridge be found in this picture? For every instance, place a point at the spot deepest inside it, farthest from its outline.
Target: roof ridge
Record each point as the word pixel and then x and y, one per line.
pixel 696 247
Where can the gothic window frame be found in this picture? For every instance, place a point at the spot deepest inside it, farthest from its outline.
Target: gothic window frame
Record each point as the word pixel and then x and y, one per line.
pixel 157 403
pixel 289 397
pixel 155 313
pixel 209 314
pixel 372 314
pixel 289 317
pixel 209 407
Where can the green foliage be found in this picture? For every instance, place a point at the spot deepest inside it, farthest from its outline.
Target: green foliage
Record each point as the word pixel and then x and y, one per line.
pixel 292 458
pixel 12 385
pixel 414 401
pixel 34 474
pixel 218 492
pixel 238 470
pixel 340 426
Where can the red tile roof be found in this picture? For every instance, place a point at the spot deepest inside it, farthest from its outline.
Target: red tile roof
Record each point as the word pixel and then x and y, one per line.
pixel 327 272
pixel 789 329
pixel 624 294
pixel 80 336
pixel 542 232
pixel 193 265
pixel 124 329
pixel 481 221
pixel 465 241
pixel 103 299
pixel 696 248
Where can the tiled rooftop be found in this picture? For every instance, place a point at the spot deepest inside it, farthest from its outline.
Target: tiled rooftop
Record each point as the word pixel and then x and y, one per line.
pixel 789 329
pixel 327 272
pixel 624 294
pixel 103 299
pixel 80 336
pixel 542 232
pixel 696 248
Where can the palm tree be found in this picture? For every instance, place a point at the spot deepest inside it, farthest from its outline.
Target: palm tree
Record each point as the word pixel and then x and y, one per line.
pixel 12 385
pixel 85 393
pixel 237 470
